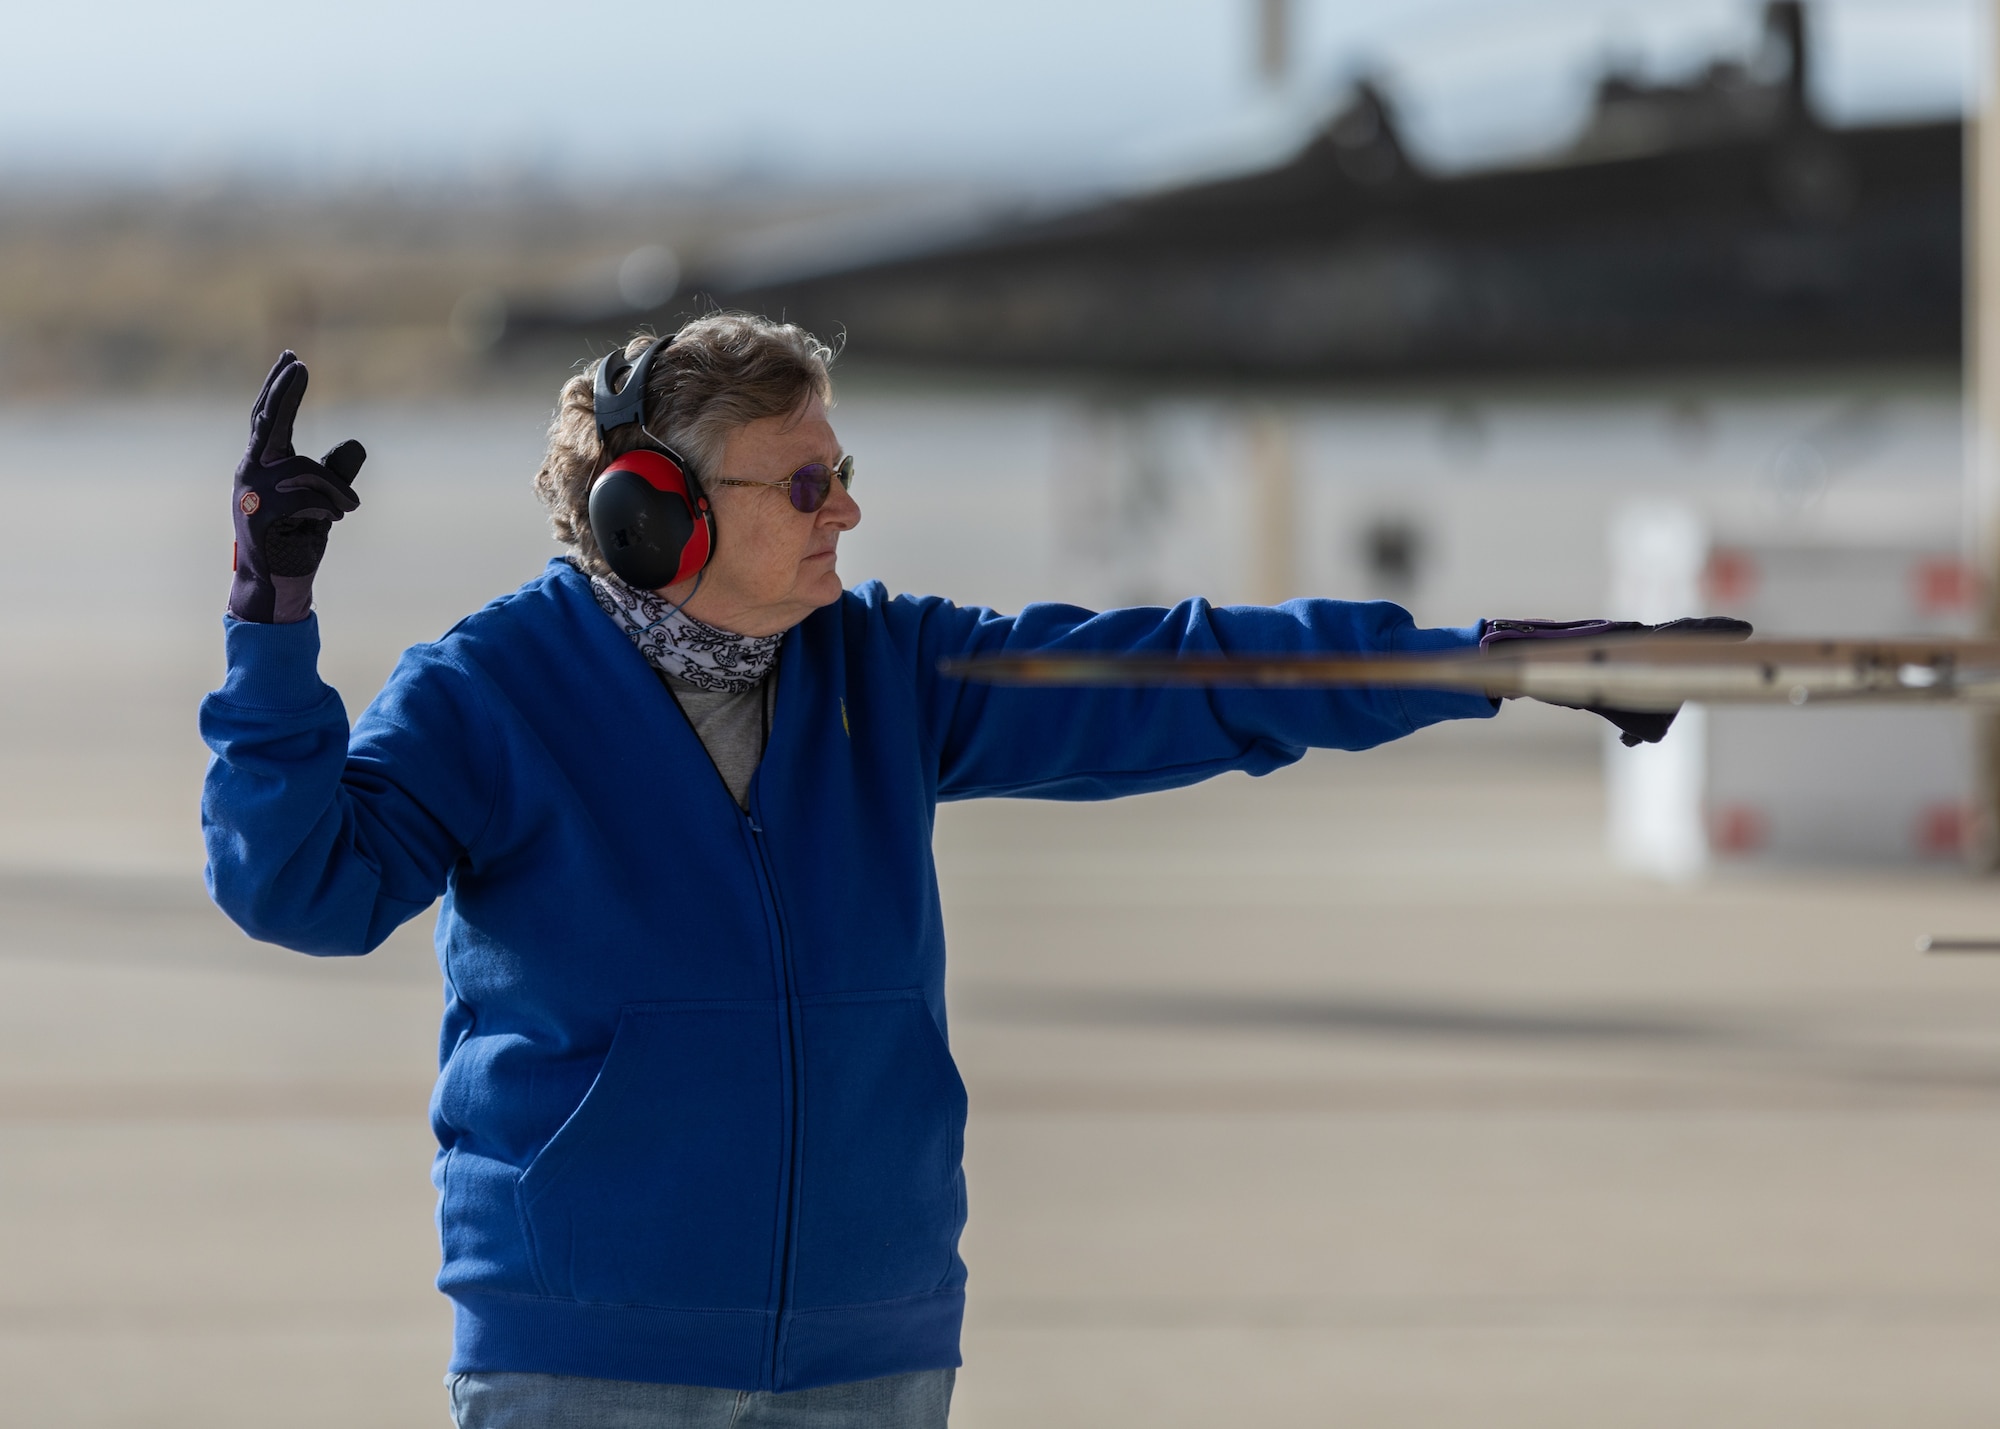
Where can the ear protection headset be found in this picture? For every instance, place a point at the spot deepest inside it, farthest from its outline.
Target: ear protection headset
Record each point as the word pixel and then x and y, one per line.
pixel 647 510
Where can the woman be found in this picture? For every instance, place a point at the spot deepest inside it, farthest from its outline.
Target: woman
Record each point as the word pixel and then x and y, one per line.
pixel 700 1131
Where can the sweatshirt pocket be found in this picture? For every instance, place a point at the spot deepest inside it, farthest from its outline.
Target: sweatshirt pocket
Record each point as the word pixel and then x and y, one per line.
pixel 662 1187
pixel 881 1192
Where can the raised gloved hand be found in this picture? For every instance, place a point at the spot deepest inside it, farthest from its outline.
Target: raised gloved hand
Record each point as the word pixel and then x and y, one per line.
pixel 285 504
pixel 1634 726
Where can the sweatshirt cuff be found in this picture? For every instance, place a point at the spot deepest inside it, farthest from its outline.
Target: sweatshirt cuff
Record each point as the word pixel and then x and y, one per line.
pixel 1423 707
pixel 271 667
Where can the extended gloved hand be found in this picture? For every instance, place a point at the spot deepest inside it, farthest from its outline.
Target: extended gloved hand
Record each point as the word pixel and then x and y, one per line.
pixel 285 504
pixel 1634 726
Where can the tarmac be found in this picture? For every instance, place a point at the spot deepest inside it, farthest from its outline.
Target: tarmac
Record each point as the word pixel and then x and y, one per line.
pixel 1366 1093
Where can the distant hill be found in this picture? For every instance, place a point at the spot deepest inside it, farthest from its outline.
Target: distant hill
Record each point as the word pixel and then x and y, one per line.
pixel 387 292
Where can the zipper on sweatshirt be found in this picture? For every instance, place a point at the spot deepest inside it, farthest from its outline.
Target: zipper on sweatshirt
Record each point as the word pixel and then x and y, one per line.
pixel 791 1040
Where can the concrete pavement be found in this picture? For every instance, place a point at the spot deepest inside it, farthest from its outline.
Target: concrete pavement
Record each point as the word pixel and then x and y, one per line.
pixel 1366 1093
pixel 1363 1094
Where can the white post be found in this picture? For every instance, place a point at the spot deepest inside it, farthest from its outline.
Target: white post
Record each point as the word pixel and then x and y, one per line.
pixel 1656 795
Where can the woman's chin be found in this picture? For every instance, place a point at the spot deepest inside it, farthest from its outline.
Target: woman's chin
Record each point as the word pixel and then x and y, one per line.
pixel 822 587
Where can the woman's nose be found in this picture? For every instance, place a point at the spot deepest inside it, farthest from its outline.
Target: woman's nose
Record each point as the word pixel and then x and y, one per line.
pixel 842 511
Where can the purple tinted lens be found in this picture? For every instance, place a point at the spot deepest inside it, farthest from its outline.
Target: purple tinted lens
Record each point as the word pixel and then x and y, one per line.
pixel 810 485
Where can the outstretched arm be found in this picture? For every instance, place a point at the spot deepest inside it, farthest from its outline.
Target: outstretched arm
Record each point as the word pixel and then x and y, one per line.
pixel 1101 743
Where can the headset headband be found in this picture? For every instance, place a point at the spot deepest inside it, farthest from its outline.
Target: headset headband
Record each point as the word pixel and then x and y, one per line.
pixel 623 406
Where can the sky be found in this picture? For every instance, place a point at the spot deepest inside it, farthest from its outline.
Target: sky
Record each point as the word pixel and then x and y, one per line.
pixel 1048 92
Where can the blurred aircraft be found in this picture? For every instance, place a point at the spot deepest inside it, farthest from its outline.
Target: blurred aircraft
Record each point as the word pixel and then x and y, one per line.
pixel 1712 222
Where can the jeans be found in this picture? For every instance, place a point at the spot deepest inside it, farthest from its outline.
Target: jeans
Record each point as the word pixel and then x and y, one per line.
pixel 554 1401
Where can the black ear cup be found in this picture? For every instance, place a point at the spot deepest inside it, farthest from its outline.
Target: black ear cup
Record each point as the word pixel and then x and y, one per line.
pixel 642 536
pixel 646 508
pixel 653 529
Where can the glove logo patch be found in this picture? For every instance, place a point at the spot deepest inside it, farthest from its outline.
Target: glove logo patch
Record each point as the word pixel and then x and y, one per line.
pixel 250 502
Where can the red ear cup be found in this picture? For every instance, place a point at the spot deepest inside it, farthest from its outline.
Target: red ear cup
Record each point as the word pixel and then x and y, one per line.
pixel 650 519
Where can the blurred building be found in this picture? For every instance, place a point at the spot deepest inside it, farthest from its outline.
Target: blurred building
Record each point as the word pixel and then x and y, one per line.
pixel 1711 223
pixel 1348 373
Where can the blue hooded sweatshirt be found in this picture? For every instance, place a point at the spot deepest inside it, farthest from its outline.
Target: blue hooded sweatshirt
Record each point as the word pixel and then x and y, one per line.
pixel 697 1116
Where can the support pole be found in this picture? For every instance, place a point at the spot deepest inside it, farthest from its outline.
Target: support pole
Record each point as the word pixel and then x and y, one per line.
pixel 1274 534
pixel 1274 41
pixel 1982 388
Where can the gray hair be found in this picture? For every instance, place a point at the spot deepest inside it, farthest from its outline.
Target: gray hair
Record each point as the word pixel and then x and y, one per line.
pixel 723 371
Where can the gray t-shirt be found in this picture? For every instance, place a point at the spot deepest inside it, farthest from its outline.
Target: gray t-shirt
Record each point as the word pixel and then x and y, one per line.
pixel 732 725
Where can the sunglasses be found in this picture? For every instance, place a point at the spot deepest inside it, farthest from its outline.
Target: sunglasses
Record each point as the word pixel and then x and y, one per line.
pixel 809 486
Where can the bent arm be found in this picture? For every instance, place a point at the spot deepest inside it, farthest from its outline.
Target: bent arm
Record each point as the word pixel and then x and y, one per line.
pixel 323 844
pixel 1101 743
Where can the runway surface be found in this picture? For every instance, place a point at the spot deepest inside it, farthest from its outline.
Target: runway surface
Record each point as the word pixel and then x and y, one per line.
pixel 1363 1093
pixel 1367 1093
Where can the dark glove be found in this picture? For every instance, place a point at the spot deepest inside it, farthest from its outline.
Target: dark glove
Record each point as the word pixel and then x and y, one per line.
pixel 285 504
pixel 1634 726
